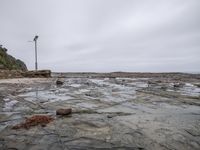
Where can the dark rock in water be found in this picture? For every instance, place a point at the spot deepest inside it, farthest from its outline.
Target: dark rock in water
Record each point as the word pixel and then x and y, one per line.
pixel 59 82
pixel 164 88
pixel 110 116
pixel 152 82
pixel 197 85
pixel 178 85
pixel 93 94
pixel 64 112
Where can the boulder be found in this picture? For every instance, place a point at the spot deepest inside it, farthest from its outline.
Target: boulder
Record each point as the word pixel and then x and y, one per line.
pixel 64 112
pixel 59 82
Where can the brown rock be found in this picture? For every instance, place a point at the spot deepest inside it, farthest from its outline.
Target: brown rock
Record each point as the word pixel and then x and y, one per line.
pixel 64 111
pixel 37 74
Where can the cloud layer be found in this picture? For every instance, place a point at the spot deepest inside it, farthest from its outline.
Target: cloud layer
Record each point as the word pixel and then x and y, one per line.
pixel 104 35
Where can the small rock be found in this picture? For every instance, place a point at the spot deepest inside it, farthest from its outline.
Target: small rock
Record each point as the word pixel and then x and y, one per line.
pixel 110 116
pixel 59 82
pixel 64 111
pixel 87 94
pixel 178 85
pixel 197 85
pixel 164 88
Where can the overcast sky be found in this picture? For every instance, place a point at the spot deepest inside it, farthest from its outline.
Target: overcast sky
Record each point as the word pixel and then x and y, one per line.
pixel 104 35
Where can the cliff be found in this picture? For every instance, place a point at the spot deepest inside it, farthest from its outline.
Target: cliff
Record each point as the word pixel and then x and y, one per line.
pixel 8 62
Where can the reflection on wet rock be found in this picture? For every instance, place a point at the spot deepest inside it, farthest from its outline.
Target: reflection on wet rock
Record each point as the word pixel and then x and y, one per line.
pixel 147 112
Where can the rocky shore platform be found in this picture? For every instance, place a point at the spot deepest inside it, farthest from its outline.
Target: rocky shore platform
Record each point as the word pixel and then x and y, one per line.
pixel 9 74
pixel 112 111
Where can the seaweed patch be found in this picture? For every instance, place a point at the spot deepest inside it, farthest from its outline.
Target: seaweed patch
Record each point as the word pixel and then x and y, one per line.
pixel 34 121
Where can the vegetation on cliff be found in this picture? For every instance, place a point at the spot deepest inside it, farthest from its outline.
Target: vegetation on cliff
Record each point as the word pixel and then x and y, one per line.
pixel 8 62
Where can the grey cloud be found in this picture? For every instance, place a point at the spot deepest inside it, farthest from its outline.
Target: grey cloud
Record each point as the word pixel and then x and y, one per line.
pixel 102 35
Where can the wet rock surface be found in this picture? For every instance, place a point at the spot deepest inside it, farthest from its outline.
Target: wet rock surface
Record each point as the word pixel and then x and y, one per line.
pixel 107 113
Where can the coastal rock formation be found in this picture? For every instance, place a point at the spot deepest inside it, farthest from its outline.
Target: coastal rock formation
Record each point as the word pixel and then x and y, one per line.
pixel 11 67
pixel 103 113
pixel 8 62
pixel 37 74
pixel 5 74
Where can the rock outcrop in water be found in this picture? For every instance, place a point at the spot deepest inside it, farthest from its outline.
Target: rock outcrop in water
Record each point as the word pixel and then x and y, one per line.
pixel 8 62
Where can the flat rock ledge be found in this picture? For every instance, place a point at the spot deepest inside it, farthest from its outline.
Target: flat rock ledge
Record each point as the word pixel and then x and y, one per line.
pixel 5 74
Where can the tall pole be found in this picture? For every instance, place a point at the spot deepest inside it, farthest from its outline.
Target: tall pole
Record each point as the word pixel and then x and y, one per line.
pixel 36 63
